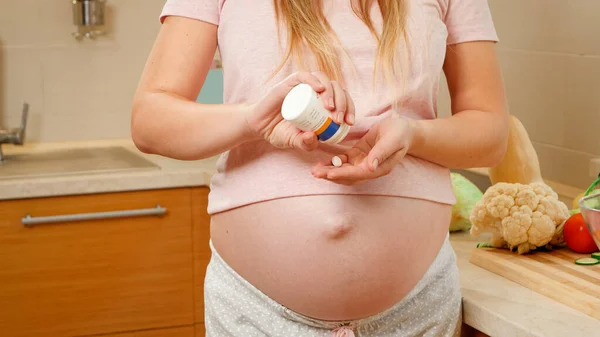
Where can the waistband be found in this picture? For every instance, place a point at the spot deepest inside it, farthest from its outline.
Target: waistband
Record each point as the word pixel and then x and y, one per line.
pixel 444 260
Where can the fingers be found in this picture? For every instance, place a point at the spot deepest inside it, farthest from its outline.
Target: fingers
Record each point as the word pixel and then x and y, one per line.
pixel 366 143
pixel 350 111
pixel 323 167
pixel 302 77
pixel 351 174
pixel 327 95
pixel 344 105
pixel 389 162
pixel 323 171
pixel 334 97
pixel 379 147
pixel 347 182
pixel 341 105
pixel 383 148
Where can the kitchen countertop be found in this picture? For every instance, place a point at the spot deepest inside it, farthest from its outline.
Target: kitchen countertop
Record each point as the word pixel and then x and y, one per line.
pixel 170 174
pixel 492 304
pixel 502 308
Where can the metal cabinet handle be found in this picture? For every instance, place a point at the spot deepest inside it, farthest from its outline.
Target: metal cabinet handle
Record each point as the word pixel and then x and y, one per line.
pixel 28 220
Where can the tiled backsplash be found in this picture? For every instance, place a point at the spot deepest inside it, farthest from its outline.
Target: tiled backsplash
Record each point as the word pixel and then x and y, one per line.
pixel 549 55
pixel 550 58
pixel 76 90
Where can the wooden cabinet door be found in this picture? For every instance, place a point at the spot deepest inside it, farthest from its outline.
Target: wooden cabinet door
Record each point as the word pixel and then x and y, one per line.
pixel 202 254
pixel 200 330
pixel 96 276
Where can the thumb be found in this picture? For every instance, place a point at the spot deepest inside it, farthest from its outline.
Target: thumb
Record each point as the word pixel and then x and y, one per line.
pixel 383 148
pixel 306 141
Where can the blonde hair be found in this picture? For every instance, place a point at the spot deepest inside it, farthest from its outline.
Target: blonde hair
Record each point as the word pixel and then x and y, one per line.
pixel 307 28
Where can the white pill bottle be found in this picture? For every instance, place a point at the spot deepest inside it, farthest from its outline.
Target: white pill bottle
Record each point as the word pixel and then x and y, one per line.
pixel 303 108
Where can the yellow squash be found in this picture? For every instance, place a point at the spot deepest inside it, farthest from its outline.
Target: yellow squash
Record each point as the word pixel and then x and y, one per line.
pixel 520 163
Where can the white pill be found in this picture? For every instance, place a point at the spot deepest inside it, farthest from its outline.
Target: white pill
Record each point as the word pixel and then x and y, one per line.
pixel 336 161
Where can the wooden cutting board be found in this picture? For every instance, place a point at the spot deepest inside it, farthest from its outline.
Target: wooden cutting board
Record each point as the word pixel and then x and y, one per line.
pixel 553 274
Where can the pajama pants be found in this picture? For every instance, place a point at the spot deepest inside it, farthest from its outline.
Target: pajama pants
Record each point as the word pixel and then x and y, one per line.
pixel 235 308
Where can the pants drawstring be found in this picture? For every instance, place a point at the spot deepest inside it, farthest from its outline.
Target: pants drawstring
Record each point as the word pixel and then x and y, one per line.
pixel 343 332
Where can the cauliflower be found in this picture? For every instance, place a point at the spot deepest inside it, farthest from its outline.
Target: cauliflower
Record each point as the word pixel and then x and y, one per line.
pixel 520 216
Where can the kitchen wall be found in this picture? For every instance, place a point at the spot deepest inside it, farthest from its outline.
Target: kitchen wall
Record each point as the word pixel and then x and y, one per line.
pixel 549 53
pixel 77 90
pixel 550 57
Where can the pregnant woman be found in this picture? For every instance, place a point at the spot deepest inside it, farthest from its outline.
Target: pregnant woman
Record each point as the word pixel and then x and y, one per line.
pixel 301 247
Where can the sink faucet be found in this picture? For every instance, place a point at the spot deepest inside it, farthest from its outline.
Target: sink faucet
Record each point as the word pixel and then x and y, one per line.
pixel 14 136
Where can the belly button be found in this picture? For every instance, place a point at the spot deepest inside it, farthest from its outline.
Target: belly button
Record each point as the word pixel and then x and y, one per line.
pixel 339 226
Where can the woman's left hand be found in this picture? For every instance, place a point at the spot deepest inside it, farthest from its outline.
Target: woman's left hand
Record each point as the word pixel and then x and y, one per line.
pixel 374 155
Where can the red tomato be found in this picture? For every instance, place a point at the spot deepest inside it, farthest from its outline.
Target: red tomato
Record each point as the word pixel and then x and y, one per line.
pixel 577 235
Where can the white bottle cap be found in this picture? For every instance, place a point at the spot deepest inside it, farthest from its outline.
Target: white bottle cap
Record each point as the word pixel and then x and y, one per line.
pixel 303 108
pixel 296 101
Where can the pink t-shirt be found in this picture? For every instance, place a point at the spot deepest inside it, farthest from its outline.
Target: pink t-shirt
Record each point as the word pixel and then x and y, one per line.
pixel 250 51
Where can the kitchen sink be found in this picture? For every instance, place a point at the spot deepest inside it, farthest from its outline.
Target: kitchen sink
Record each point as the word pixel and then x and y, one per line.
pixel 72 162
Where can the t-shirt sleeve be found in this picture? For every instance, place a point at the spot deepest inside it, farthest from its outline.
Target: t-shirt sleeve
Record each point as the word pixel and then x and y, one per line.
pixel 469 20
pixel 204 10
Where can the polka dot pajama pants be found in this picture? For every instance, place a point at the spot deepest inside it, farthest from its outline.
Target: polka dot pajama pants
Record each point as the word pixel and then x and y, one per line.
pixel 235 308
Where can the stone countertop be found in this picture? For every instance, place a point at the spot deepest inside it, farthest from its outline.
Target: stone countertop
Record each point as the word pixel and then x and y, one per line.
pixel 169 174
pixel 492 304
pixel 502 308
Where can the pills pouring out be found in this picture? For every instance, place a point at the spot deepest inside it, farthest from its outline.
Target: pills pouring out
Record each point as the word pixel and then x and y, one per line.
pixel 303 108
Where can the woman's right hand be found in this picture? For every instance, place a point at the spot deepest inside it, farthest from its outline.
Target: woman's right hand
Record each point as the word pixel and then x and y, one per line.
pixel 264 117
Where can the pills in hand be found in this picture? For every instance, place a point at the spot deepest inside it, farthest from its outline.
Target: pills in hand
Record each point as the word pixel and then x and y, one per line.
pixel 336 161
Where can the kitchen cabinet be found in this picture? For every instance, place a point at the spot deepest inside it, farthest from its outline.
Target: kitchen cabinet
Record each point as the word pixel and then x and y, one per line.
pixel 201 235
pixel 102 276
pixel 200 330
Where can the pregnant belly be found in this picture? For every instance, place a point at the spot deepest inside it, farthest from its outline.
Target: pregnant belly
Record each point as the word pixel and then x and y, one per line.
pixel 333 257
